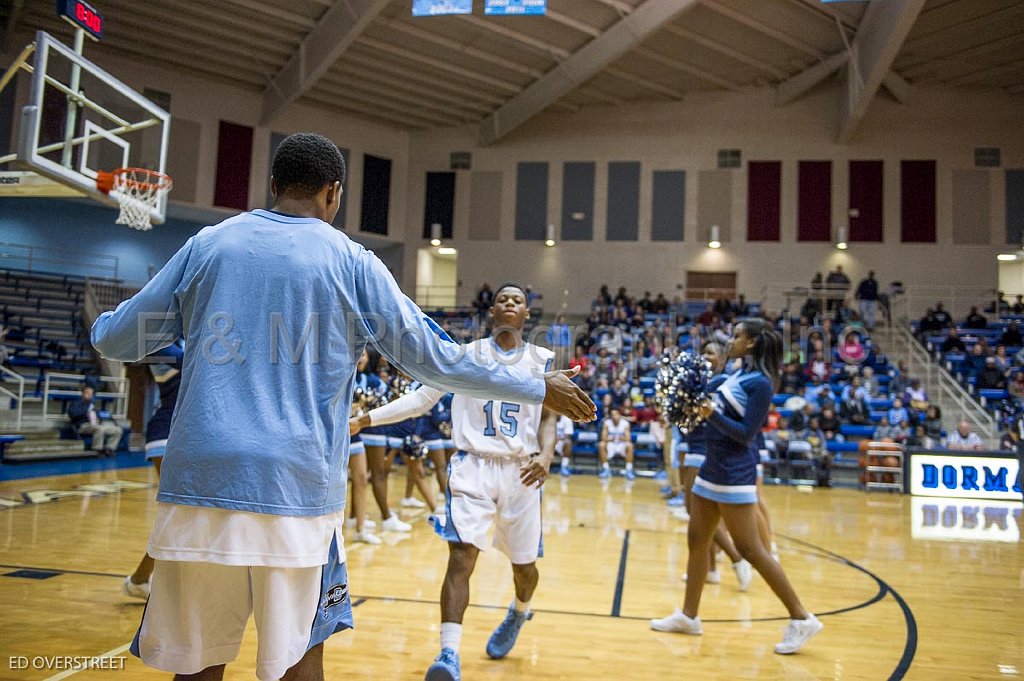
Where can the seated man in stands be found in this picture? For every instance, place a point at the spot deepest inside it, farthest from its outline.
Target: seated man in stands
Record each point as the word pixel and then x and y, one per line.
pixel 818 393
pixel 991 378
pixel 792 380
pixel 871 384
pixel 916 397
pixel 964 438
pixel 897 412
pixel 975 320
pixel 953 342
pixel 1012 337
pixel 885 432
pixel 854 407
pixel 942 318
pixel 616 441
pixel 85 419
pixel 829 424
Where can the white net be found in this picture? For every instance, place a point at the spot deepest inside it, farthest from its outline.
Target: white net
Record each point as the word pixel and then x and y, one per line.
pixel 138 192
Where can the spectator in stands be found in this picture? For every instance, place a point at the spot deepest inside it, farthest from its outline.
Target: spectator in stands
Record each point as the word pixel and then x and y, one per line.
pixel 1016 386
pixel 646 413
pixel 621 298
pixel 801 418
pixel 1009 441
pixel 976 360
pixel 928 324
pixel 964 438
pixel 483 301
pixel 587 379
pixel 1002 361
pixel 867 297
pixel 813 434
pixel 975 320
pixel 707 317
pixel 86 420
pixel 885 432
pixel 1012 337
pixel 829 423
pixel 795 354
pixel 619 392
pixel 616 441
pixel 792 381
pixel 742 307
pixel 837 285
pixel 4 352
pixel 819 393
pixel 942 318
pixel 915 396
pixel 953 342
pixel 818 367
pixel 816 282
pixel 900 380
pixel 560 339
pixel 870 383
pixel 854 390
pixel 897 412
pixel 646 303
pixel 580 360
pixel 1001 306
pixel 1018 305
pixel 661 304
pixel 902 432
pixel 853 349
pixel 991 378
pixel 933 427
pixel 854 407
pixel 604 299
pixel 772 421
pixel 604 407
pixel 531 297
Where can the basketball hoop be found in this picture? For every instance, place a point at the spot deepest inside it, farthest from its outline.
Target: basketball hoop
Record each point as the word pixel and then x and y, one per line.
pixel 137 190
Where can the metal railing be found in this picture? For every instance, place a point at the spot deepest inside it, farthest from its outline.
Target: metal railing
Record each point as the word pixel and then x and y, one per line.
pixel 44 260
pixel 68 385
pixel 920 363
pixel 8 375
pixel 437 297
pixel 101 296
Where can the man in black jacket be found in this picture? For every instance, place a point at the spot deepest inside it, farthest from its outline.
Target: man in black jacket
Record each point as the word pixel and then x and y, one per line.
pixel 867 296
pixel 953 343
pixel 976 320
pixel 85 419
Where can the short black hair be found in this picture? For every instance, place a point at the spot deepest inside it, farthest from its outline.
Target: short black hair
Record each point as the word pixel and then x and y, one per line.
pixel 305 163
pixel 509 284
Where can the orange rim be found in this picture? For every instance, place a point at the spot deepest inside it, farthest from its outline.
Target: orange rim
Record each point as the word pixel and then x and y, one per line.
pixel 159 181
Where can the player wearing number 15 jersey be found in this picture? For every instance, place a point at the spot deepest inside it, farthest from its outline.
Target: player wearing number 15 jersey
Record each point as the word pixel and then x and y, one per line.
pixel 504 452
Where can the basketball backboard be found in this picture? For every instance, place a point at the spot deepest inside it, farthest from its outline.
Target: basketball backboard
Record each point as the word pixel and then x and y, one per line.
pixel 78 120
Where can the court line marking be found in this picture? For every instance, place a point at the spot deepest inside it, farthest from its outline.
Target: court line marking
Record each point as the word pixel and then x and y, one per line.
pixel 621 580
pixel 910 644
pixel 82 667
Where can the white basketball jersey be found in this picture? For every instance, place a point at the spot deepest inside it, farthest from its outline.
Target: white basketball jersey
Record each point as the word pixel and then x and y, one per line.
pixel 493 427
pixel 617 433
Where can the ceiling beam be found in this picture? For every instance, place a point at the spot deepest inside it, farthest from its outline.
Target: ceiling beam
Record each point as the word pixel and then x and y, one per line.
pixel 645 83
pixel 277 13
pixel 557 53
pixel 440 64
pixel 337 28
pixel 580 26
pixel 394 84
pixel 925 67
pixel 897 86
pixel 878 41
pixel 975 76
pixel 583 65
pixel 623 8
pixel 793 88
pixel 761 27
pixel 685 68
pixel 718 47
pixel 500 61
pixel 362 60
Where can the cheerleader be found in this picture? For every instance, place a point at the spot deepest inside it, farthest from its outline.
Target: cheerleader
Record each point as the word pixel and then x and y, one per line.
pixel 725 488
pixel 693 459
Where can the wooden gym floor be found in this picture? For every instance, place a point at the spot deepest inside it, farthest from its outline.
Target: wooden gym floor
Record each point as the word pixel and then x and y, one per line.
pixel 895 604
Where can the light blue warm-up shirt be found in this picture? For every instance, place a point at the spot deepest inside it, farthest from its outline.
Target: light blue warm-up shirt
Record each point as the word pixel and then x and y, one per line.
pixel 275 311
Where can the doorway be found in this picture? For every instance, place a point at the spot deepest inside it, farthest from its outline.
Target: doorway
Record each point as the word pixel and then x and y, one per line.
pixel 710 285
pixel 437 278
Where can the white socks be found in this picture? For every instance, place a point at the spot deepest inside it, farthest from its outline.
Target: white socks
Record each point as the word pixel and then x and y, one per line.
pixel 629 466
pixel 605 465
pixel 521 606
pixel 451 635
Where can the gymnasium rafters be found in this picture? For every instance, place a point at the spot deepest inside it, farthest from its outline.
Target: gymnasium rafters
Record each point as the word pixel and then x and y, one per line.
pixel 371 58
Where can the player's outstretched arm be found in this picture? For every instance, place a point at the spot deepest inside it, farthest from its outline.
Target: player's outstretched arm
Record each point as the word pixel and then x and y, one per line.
pixel 536 471
pixel 149 320
pixel 564 397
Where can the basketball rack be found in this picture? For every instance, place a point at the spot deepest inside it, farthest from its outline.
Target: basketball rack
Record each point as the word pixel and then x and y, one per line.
pixel 102 153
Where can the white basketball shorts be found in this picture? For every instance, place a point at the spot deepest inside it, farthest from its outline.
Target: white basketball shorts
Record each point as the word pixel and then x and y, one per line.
pixel 616 449
pixel 197 614
pixel 485 492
